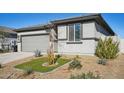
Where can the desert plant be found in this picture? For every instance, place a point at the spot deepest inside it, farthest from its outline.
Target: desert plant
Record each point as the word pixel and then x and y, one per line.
pixel 102 61
pixel 88 75
pixel 51 58
pixel 37 53
pixel 28 70
pixel 77 56
pixel 107 48
pixel 75 64
pixel 57 57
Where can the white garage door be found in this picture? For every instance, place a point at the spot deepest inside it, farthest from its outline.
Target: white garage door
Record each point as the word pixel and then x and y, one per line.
pixel 35 42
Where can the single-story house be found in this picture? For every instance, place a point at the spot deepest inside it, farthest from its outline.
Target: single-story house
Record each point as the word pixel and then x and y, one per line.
pixel 75 36
pixel 8 39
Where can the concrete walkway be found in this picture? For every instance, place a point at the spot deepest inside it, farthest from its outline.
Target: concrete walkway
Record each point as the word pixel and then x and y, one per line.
pixel 9 57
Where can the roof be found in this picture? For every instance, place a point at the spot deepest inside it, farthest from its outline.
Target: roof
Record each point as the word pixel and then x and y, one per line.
pixel 7 29
pixel 97 17
pixel 35 27
pixel 73 19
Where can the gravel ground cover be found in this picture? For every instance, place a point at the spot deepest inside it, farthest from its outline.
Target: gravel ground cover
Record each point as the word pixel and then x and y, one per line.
pixel 114 69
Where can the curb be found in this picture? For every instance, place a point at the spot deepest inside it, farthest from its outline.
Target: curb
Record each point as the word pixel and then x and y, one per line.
pixel 56 68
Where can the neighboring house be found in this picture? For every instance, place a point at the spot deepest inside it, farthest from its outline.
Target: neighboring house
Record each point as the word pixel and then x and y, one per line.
pixel 78 35
pixel 8 39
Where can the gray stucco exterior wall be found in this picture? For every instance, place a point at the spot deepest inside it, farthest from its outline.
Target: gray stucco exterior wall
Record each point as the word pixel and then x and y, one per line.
pixel 85 46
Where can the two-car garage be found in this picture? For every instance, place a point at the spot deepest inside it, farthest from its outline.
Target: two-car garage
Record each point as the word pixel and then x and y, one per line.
pixel 30 43
pixel 34 38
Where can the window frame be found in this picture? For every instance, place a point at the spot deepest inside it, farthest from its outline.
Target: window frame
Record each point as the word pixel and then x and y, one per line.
pixel 74 32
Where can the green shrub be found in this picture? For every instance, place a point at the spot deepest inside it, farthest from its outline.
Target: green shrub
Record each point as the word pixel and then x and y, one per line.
pixel 107 48
pixel 0 65
pixel 88 75
pixel 1 51
pixel 57 57
pixel 75 64
pixel 102 61
pixel 4 50
pixel 28 70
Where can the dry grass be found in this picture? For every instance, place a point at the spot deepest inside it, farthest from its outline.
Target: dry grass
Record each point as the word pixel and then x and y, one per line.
pixel 113 69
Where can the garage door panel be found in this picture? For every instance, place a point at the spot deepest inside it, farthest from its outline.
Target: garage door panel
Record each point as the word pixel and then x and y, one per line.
pixel 34 42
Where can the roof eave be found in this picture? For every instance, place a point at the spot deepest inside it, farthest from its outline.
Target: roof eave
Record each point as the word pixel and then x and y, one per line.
pixel 75 19
pixel 34 28
pixel 96 17
pixel 106 25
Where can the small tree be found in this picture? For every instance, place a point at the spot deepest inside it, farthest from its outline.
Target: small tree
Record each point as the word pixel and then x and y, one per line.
pixel 50 51
pixel 107 48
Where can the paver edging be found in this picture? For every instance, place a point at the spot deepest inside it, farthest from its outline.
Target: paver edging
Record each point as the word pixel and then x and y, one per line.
pixel 49 71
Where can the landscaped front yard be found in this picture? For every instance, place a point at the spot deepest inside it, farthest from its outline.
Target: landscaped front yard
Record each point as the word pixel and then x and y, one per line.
pixel 37 64
pixel 113 69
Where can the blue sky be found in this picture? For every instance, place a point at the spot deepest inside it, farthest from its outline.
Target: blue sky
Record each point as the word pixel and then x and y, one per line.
pixel 18 20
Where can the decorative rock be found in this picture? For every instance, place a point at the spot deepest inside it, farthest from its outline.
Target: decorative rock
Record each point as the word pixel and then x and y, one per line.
pixel 45 64
pixel 56 63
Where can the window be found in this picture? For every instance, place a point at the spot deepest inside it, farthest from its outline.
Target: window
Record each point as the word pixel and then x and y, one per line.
pixel 75 32
pixel 62 34
pixel 71 32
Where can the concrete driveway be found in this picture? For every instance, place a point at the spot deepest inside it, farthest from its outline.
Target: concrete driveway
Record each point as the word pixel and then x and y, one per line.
pixel 10 57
